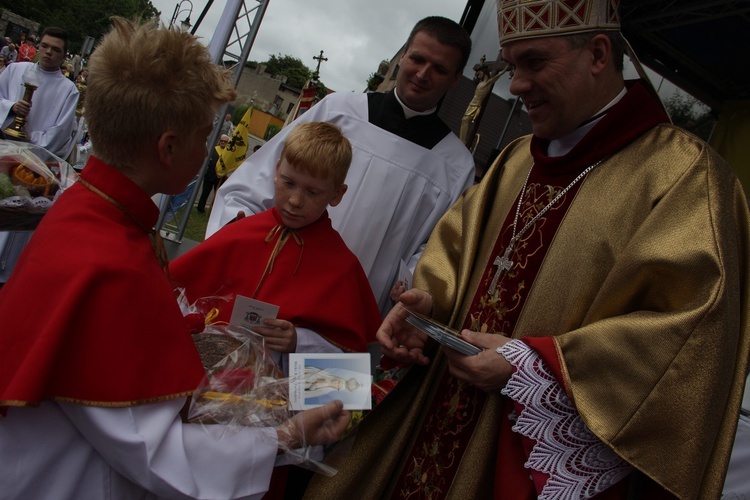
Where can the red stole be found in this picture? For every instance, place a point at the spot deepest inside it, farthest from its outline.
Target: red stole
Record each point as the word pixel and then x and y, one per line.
pixel 455 410
pixel 319 285
pixel 88 315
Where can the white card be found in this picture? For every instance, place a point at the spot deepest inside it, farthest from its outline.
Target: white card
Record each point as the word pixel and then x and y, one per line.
pixel 318 378
pixel 249 312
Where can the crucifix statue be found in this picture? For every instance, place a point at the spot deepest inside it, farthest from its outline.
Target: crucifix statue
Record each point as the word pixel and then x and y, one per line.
pixel 486 74
pixel 320 59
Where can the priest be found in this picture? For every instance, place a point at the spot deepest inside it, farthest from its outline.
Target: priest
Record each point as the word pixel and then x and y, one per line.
pixel 407 167
pixel 51 114
pixel 602 265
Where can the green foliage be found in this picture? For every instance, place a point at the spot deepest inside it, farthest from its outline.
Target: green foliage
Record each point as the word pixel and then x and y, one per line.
pixel 82 18
pixel 239 112
pixel 690 114
pixel 271 131
pixel 292 67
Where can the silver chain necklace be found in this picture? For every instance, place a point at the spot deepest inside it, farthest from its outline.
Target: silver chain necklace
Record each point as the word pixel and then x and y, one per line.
pixel 503 263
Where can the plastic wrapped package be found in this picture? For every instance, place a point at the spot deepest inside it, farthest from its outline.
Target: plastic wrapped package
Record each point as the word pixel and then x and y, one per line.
pixel 31 179
pixel 244 387
pixel 242 384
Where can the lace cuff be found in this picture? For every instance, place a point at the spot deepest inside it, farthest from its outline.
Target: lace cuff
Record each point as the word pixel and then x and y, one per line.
pixel 579 464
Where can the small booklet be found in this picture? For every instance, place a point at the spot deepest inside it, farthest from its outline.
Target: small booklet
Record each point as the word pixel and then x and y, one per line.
pixel 318 378
pixel 443 334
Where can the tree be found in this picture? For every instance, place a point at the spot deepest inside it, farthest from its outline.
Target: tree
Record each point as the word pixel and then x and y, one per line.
pixel 690 114
pixel 82 18
pixel 291 67
pixel 296 72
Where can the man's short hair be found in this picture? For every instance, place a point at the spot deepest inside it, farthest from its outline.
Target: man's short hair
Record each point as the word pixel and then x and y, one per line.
pixel 319 149
pixel 56 32
pixel 446 32
pixel 615 39
pixel 145 81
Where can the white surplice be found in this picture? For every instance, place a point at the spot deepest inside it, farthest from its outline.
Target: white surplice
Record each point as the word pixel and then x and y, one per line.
pixel 145 452
pixel 51 121
pixel 397 192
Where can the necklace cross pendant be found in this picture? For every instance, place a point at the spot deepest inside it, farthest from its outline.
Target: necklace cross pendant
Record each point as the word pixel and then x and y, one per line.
pixel 503 264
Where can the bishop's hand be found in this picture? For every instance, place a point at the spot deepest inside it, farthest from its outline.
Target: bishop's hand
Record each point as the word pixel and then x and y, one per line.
pixel 400 340
pixel 488 370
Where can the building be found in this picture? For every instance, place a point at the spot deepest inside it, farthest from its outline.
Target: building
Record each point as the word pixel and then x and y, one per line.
pixel 267 92
pixel 13 26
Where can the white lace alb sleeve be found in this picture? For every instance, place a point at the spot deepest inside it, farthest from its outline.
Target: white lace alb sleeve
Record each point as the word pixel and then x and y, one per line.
pixel 578 463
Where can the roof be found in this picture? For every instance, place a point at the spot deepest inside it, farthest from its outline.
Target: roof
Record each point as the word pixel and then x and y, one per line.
pixel 700 45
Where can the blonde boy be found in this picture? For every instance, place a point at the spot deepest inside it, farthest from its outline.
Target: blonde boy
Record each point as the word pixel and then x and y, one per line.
pixel 290 256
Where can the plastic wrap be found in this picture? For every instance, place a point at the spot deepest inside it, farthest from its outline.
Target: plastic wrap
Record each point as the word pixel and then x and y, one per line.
pixel 244 388
pixel 31 179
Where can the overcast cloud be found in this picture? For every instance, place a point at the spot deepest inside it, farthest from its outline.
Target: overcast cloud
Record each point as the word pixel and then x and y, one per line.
pixel 355 35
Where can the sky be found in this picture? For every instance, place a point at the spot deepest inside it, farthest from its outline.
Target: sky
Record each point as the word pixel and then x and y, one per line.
pixel 355 35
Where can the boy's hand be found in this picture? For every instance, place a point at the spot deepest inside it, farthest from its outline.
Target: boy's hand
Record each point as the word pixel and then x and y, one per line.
pixel 317 426
pixel 280 334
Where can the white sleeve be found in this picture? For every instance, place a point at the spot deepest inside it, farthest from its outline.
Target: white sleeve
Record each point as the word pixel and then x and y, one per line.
pixel 7 98
pixel 307 341
pixel 578 463
pixel 58 137
pixel 152 447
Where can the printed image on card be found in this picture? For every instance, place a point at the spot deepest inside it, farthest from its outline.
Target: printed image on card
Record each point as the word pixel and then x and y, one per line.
pixel 249 312
pixel 316 379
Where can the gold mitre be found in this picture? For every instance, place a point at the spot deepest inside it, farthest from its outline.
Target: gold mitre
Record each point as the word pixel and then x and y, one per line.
pixel 519 19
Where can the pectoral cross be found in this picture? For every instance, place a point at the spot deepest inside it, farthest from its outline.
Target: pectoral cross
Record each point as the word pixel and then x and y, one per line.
pixel 503 266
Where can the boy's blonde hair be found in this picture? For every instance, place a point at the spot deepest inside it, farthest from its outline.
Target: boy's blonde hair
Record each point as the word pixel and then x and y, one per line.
pixel 319 149
pixel 144 81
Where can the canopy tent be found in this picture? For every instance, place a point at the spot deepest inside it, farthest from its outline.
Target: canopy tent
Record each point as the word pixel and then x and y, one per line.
pixel 702 47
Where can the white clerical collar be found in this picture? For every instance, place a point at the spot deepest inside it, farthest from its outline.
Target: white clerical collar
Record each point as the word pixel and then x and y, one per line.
pixel 410 113
pixel 563 145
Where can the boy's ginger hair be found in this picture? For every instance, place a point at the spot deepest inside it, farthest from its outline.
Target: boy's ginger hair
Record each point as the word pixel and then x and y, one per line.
pixel 144 81
pixel 319 149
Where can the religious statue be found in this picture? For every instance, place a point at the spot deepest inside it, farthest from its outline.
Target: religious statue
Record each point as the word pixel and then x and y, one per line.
pixel 485 79
pixel 319 382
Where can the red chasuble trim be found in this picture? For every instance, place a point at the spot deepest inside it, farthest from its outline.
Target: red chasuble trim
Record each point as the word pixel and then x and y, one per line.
pixel 89 316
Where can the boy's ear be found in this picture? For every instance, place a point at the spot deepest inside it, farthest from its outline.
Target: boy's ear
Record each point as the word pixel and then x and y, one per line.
pixel 338 196
pixel 167 147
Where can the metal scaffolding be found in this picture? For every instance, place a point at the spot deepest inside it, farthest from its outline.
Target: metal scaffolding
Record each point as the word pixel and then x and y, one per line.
pixel 230 48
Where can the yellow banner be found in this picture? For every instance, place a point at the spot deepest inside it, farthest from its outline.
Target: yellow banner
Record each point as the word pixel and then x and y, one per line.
pixel 236 151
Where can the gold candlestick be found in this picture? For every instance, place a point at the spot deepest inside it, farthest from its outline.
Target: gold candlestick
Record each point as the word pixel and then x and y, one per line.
pixel 16 130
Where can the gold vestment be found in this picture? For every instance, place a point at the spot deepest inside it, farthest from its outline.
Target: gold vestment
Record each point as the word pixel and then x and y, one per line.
pixel 645 288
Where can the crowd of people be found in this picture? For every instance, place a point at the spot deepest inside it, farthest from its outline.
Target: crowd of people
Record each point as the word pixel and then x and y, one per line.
pixel 601 267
